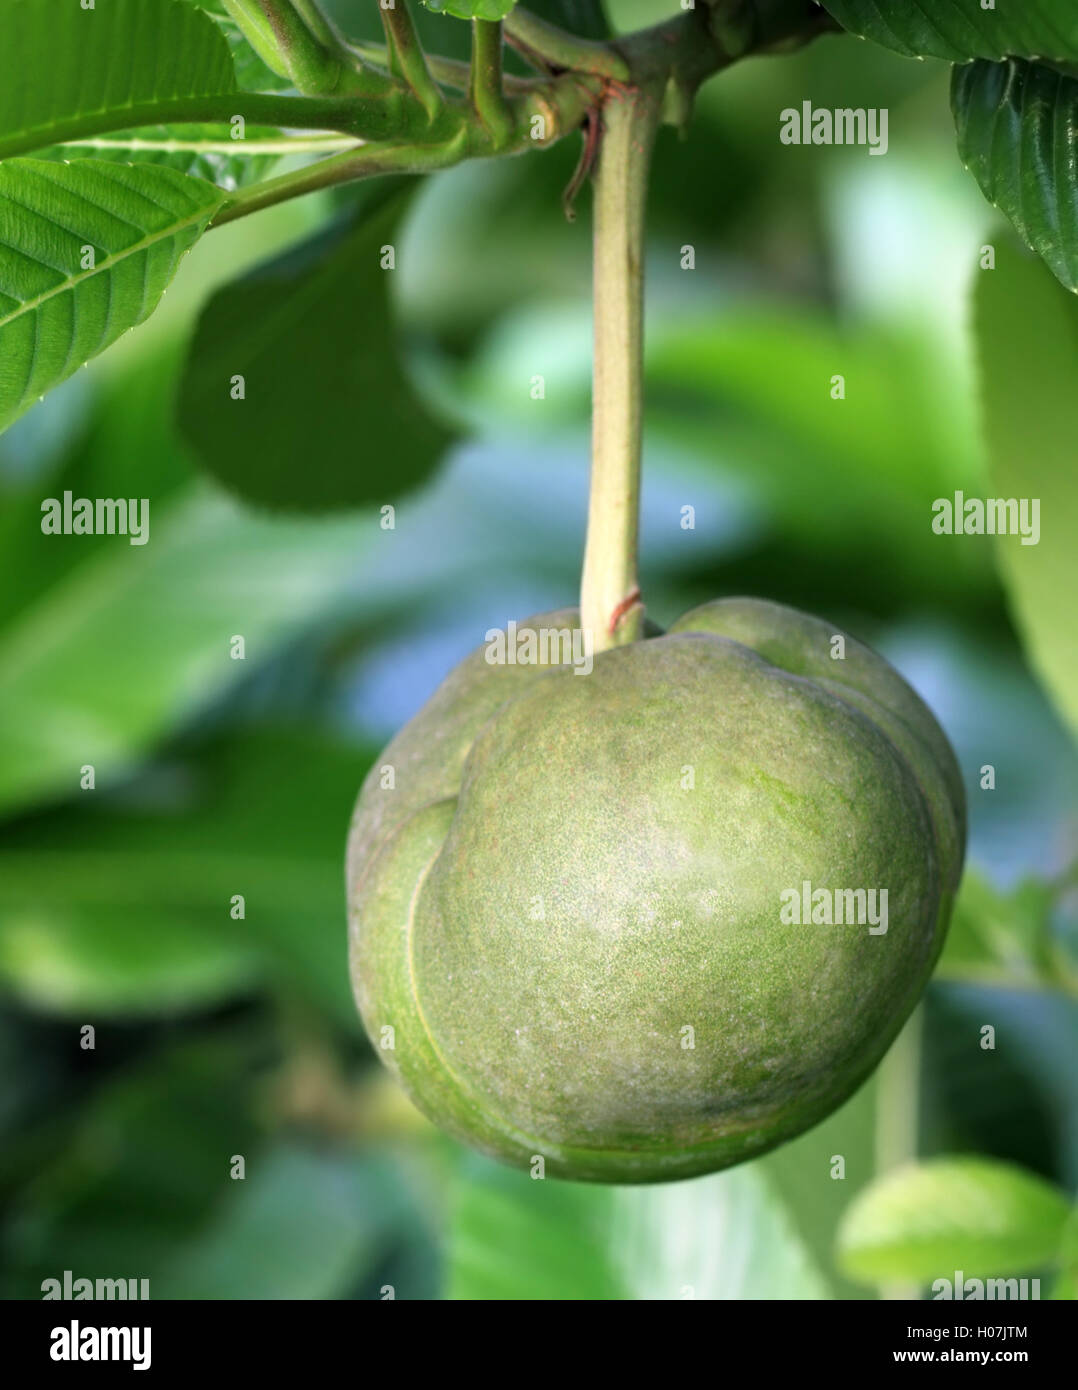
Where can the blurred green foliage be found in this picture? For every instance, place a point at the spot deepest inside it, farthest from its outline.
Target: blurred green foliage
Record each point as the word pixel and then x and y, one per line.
pixel 219 1036
pixel 309 335
pixel 989 1220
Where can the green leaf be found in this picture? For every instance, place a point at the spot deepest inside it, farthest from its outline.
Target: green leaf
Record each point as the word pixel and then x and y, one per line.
pixel 471 9
pixel 301 1224
pixel 1067 1286
pixel 143 1187
pixel 121 903
pixel 890 444
pixel 1006 938
pixel 143 1158
pixel 328 418
pixel 584 18
pixel 1018 135
pixel 60 63
pixel 978 1099
pixel 1027 337
pixel 722 1237
pixel 203 151
pixel 962 29
pixel 64 958
pixel 801 1173
pixel 924 1221
pixel 147 629
pixel 59 307
pixel 138 1182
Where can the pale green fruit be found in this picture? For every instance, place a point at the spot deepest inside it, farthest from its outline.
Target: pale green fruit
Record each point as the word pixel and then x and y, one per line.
pixel 566 912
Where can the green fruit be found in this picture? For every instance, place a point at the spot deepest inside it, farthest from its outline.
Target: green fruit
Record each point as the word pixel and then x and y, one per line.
pixel 566 900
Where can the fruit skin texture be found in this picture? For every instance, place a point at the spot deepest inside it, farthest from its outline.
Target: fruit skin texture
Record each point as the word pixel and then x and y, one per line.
pixel 545 900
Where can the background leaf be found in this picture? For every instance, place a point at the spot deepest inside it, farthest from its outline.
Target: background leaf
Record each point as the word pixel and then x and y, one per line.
pixel 1068 1279
pixel 990 1095
pixel 147 628
pixel 109 963
pixel 62 62
pixel 585 18
pixel 801 1174
pixel 1027 337
pixel 120 905
pixel 301 1224
pixel 181 1109
pixel 722 1237
pixel 329 418
pixel 1006 938
pixel 709 390
pixel 143 1188
pixel 1018 136
pixel 962 29
pixel 56 312
pixel 924 1221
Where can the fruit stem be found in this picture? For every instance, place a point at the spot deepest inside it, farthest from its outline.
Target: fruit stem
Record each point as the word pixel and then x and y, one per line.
pixel 610 607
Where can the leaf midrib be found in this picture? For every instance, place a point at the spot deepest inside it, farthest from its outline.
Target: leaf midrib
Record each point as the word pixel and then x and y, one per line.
pixel 29 306
pixel 235 149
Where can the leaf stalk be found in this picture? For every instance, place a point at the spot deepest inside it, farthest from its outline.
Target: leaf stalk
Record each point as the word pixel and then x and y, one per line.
pixel 407 59
pixel 485 81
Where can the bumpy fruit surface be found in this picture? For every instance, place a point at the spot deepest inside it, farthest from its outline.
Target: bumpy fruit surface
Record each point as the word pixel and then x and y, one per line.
pixel 565 902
